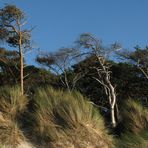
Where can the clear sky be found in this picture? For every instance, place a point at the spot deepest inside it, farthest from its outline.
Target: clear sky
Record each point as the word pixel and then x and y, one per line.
pixel 60 22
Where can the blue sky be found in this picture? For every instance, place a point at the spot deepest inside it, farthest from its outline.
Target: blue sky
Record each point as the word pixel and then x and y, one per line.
pixel 60 22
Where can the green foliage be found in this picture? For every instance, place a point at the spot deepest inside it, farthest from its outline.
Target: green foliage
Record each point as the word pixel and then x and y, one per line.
pixel 38 77
pixel 128 80
pixel 10 13
pixel 65 120
pixel 130 83
pixel 9 65
pixel 138 57
pixel 12 19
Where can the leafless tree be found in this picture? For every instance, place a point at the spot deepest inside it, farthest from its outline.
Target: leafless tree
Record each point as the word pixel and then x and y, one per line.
pixel 93 47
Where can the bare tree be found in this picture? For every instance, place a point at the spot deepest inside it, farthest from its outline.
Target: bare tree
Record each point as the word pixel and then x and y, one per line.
pixel 92 46
pixel 12 21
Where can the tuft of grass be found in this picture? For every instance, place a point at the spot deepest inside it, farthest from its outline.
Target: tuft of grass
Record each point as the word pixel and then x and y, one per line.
pixel 135 117
pixel 135 123
pixel 12 102
pixel 130 140
pixel 12 105
pixel 68 120
pixel 10 134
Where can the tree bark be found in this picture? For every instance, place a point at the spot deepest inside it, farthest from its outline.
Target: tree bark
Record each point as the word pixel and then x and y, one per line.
pixel 113 116
pixel 112 103
pixel 113 106
pixel 21 64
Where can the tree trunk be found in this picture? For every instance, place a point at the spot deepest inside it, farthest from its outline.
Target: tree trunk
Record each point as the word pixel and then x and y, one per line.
pixel 113 120
pixel 113 108
pixel 21 65
pixel 22 74
pixel 113 102
pixel 66 82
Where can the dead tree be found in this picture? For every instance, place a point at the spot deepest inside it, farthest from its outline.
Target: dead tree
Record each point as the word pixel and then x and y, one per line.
pixel 92 46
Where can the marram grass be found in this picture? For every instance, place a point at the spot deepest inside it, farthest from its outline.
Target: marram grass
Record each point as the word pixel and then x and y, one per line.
pixel 68 120
pixel 135 117
pixel 135 121
pixel 12 104
pixel 64 120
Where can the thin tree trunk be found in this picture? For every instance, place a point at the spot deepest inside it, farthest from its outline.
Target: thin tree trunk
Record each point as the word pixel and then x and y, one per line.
pixel 66 82
pixel 113 117
pixel 113 107
pixel 113 101
pixel 21 65
pixel 22 74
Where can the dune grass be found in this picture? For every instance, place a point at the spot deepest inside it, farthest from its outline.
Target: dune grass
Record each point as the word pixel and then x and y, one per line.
pixel 130 140
pixel 12 105
pixel 135 117
pixel 68 120
pixel 135 124
pixel 63 120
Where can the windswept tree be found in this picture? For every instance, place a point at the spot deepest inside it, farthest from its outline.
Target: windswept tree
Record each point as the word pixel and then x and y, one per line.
pixel 139 57
pixel 12 32
pixel 91 46
pixel 60 63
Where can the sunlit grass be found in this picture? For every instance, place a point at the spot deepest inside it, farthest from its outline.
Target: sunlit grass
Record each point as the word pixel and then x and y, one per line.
pixel 68 120
pixel 12 104
pixel 63 120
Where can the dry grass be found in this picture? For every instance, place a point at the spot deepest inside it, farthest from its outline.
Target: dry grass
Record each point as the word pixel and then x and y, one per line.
pixel 12 104
pixel 60 120
pixel 130 140
pixel 68 120
pixel 135 121
pixel 10 134
pixel 135 117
